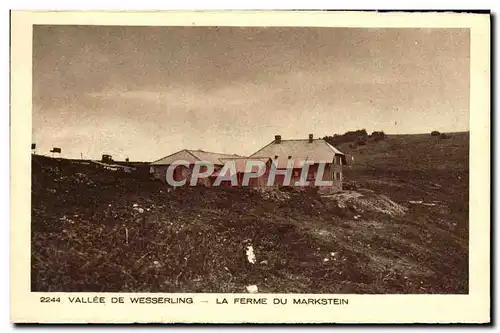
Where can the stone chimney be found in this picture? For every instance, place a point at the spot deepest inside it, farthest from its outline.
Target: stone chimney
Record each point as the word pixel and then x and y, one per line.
pixel 310 138
pixel 277 139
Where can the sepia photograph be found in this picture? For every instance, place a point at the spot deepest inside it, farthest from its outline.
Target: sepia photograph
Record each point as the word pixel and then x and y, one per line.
pixel 328 160
pixel 387 110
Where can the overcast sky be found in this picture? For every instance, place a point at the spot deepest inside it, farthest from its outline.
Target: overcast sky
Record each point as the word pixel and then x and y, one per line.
pixel 146 92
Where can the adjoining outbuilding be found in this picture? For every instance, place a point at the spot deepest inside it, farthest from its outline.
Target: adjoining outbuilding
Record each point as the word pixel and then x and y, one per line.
pixel 158 168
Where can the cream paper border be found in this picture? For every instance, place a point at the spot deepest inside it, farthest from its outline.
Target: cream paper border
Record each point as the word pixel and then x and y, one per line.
pixel 471 308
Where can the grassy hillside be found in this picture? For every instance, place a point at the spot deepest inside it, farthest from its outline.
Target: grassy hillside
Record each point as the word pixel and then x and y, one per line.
pixel 95 230
pixel 414 167
pixel 413 152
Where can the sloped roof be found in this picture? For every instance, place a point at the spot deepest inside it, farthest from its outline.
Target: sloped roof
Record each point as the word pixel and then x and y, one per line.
pixel 193 156
pixel 241 163
pixel 296 163
pixel 317 150
pixel 214 158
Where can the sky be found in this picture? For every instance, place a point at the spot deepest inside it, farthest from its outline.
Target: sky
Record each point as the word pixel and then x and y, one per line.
pixel 147 92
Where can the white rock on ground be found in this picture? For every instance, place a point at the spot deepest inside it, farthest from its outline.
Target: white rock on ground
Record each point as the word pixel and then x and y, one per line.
pixel 250 254
pixel 252 289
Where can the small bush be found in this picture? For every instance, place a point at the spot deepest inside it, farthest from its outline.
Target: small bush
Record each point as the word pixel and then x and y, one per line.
pixel 377 136
pixel 350 136
pixel 435 133
pixel 444 136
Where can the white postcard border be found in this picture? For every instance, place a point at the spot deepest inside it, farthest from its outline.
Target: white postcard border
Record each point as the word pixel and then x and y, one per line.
pixel 471 308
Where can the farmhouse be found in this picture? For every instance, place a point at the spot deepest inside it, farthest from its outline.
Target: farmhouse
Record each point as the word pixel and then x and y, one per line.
pixel 284 153
pixel 280 163
pixel 158 169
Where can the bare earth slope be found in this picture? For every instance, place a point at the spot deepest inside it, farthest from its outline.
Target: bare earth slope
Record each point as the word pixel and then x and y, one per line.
pixel 401 227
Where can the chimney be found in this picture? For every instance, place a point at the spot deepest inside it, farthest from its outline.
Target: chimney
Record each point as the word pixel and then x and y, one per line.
pixel 277 139
pixel 310 138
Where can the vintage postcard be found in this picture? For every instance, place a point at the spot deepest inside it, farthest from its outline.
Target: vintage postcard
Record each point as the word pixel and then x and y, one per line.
pixel 250 167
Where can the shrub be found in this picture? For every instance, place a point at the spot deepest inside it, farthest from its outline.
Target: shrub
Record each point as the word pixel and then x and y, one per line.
pixel 435 133
pixel 444 136
pixel 350 136
pixel 361 141
pixel 377 136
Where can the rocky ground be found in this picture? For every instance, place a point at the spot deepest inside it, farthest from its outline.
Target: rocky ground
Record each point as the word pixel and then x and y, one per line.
pixel 393 232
